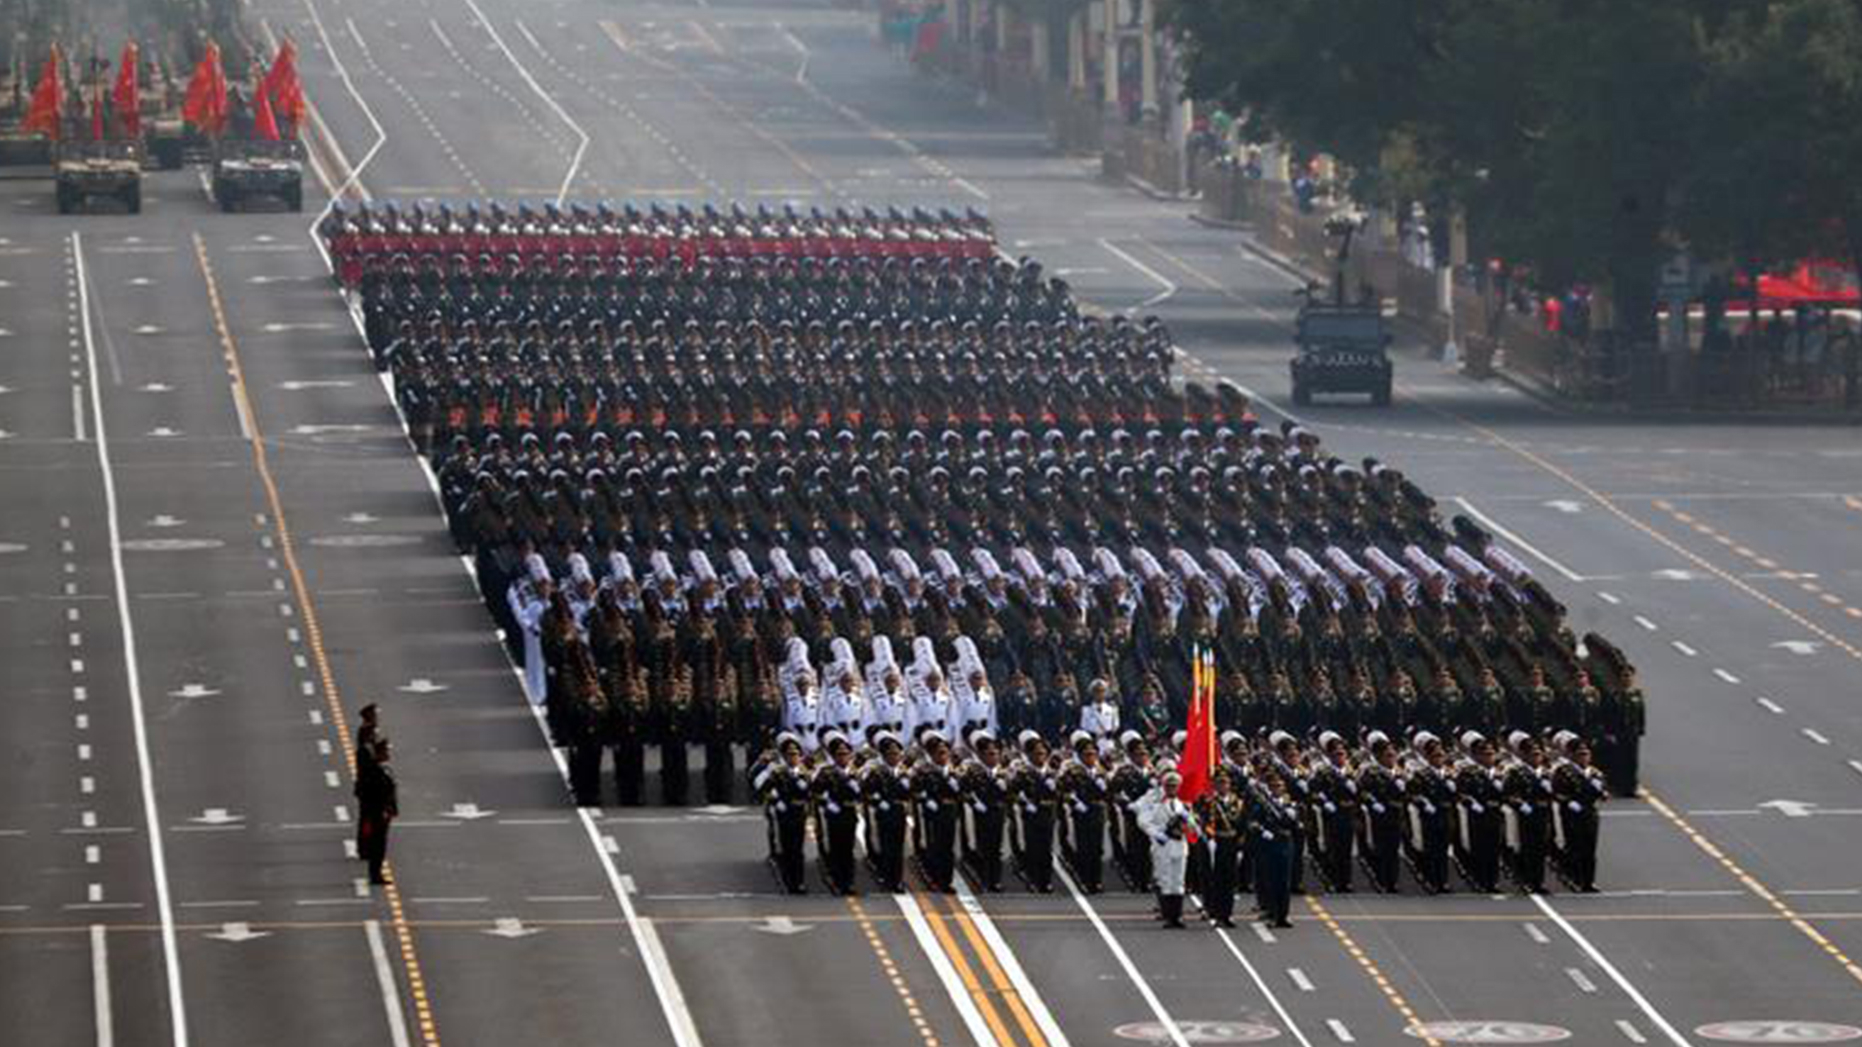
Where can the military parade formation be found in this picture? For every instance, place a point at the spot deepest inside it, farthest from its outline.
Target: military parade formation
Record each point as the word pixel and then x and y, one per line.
pixel 855 499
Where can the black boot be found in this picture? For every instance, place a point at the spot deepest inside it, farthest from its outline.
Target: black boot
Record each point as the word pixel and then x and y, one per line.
pixel 1173 910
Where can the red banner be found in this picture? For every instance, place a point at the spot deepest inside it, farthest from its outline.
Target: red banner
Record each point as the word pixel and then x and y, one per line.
pixel 127 94
pixel 46 112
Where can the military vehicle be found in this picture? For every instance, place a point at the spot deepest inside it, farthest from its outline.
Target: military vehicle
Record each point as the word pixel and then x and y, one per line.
pixel 1342 349
pixel 253 169
pixel 89 171
pixel 1342 345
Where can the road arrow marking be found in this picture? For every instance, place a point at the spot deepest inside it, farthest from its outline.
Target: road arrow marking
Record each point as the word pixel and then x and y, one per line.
pixel 466 812
pixel 781 925
pixel 164 431
pixel 216 816
pixel 1798 646
pixel 194 690
pixel 237 932
pixel 511 927
pixel 164 520
pixel 421 685
pixel 1790 808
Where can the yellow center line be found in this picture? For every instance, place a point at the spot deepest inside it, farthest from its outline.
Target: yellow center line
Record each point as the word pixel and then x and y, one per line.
pixel 984 999
pixel 313 633
pixel 891 971
pixel 1391 994
pixel 997 975
pixel 1607 503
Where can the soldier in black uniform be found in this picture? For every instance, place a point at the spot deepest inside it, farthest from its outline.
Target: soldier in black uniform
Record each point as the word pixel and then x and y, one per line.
pixel 782 782
pixel 1482 814
pixel 1223 815
pixel 1333 787
pixel 938 798
pixel 1578 788
pixel 1036 798
pixel 1084 799
pixel 986 799
pixel 1384 785
pixel 1273 817
pixel 1529 801
pixel 1431 813
pixel 836 790
pixel 888 793
pixel 1130 783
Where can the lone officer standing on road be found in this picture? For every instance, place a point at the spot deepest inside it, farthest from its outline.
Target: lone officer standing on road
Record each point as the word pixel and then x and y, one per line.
pixel 368 733
pixel 1170 826
pixel 376 796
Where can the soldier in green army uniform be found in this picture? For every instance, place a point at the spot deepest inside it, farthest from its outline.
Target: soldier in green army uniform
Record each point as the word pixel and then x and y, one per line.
pixel 1223 815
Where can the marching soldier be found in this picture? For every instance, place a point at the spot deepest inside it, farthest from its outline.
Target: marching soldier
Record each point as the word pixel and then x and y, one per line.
pixel 1036 798
pixel 1273 818
pixel 1223 815
pixel 937 796
pixel 1131 783
pixel 888 793
pixel 1170 826
pixel 1579 788
pixel 1084 797
pixel 782 783
pixel 1431 810
pixel 1481 814
pixel 1334 791
pixel 1529 818
pixel 836 791
pixel 985 785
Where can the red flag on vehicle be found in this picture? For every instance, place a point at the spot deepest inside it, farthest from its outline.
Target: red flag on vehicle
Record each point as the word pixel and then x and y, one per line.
pixel 97 113
pixel 127 94
pixel 205 105
pixel 264 125
pixel 283 88
pixel 46 112
pixel 1197 763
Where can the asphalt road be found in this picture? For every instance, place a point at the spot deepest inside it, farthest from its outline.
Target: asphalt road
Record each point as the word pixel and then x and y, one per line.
pixel 217 545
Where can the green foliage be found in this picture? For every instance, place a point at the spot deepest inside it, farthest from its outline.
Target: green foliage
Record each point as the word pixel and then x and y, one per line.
pixel 1585 138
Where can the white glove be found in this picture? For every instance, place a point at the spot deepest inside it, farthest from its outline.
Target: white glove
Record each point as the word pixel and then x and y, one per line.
pixel 1575 807
pixel 781 806
pixel 1450 784
pixel 1525 808
pixel 1377 807
pixel 885 805
pixel 1427 807
pixel 833 808
pixel 1476 807
pixel 1267 834
pixel 1330 807
pixel 930 805
pixel 980 807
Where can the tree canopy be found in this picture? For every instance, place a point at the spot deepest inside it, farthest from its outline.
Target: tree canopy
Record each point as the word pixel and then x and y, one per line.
pixel 1589 140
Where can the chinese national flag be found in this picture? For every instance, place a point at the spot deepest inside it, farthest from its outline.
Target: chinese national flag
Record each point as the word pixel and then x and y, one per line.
pixel 1198 760
pixel 264 125
pixel 282 88
pixel 126 95
pixel 97 114
pixel 46 111
pixel 205 106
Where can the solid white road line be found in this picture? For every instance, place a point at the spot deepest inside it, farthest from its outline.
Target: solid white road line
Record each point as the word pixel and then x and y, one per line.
pixel 158 858
pixel 1168 286
pixel 384 977
pixel 1568 573
pixel 1603 963
pixel 354 179
pixel 953 987
pixel 575 162
pixel 1037 1007
pixel 100 986
pixel 1171 1029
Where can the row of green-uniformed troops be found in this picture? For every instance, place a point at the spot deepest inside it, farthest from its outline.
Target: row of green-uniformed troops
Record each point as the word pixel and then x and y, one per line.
pixel 1484 813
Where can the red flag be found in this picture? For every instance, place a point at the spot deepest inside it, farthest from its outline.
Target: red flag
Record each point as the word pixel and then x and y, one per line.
pixel 264 126
pixel 205 106
pixel 1198 760
pixel 127 95
pixel 283 88
pixel 46 112
pixel 97 113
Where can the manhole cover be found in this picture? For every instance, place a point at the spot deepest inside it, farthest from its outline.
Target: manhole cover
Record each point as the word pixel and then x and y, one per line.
pixel 170 545
pixel 360 541
pixel 1779 1032
pixel 1198 1032
pixel 1489 1032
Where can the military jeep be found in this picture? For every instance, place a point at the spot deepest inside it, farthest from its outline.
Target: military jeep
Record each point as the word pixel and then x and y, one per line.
pixel 1342 349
